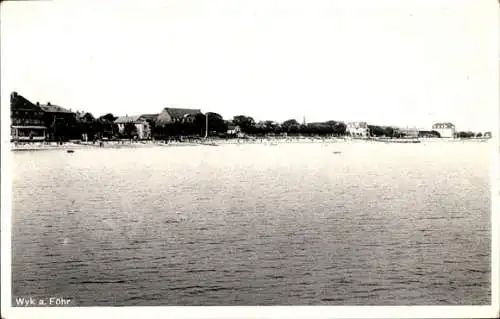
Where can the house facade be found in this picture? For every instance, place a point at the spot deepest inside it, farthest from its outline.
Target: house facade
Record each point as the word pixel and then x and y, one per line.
pixel 358 129
pixel 233 129
pixel 142 129
pixel 60 122
pixel 27 120
pixel 445 130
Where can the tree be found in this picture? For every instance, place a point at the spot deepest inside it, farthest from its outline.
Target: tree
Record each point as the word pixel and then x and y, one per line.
pixel 266 127
pixel 270 125
pixel 465 134
pixel 339 128
pixel 60 129
pixel 246 123
pixel 87 125
pixel 316 129
pixel 105 125
pixel 130 130
pixel 376 130
pixel 88 117
pixel 388 131
pixel 286 124
pixel 216 123
pixel 436 134
pixel 109 117
pixel 479 134
pixel 431 134
pixel 152 127
pixel 291 126
pixel 199 124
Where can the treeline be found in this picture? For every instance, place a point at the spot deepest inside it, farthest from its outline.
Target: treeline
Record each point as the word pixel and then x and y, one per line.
pixel 86 126
pixel 248 125
pixel 104 127
pixel 96 128
pixel 470 134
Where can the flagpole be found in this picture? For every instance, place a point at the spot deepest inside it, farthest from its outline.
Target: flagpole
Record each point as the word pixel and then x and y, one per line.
pixel 206 125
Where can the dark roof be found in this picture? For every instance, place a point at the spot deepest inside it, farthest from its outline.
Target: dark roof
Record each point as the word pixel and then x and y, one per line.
pixel 17 101
pixel 51 108
pixel 180 113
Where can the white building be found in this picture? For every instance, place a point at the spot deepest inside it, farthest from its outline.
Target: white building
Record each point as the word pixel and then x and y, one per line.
pixel 142 129
pixel 233 129
pixel 446 130
pixel 358 129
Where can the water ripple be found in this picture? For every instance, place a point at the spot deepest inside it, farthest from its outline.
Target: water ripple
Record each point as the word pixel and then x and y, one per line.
pixel 382 224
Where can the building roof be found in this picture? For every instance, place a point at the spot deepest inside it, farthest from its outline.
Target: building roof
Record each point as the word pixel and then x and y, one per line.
pixel 446 125
pixel 51 108
pixel 358 124
pixel 149 116
pixel 180 113
pixel 19 102
pixel 129 119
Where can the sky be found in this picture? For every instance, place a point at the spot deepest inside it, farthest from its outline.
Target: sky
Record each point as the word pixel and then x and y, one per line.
pixel 398 62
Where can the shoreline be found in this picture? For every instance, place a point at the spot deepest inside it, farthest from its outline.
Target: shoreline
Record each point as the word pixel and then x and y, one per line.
pixel 43 146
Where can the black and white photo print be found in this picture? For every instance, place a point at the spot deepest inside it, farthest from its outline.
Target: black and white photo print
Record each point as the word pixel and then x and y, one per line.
pixel 250 159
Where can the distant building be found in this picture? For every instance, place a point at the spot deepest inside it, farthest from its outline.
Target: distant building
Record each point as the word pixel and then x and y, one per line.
pixel 142 127
pixel 446 130
pixel 233 129
pixel 27 120
pixel 358 129
pixel 177 115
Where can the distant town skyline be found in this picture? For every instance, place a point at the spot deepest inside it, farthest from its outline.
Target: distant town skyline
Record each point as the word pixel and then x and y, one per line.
pixel 410 63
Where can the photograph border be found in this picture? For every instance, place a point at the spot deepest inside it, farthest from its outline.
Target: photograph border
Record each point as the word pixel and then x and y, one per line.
pixel 9 312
